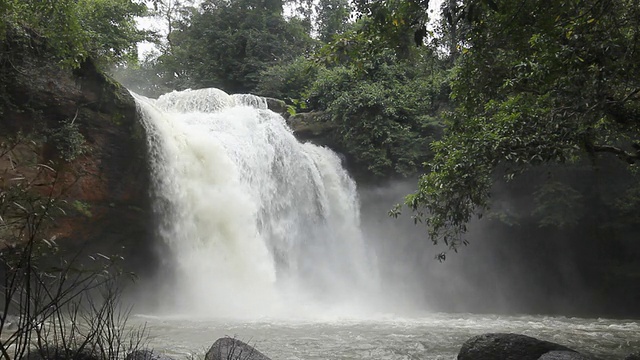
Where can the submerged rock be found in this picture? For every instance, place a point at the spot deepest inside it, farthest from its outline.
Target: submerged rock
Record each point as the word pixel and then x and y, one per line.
pixel 146 355
pixel 633 356
pixel 563 355
pixel 61 353
pixel 499 346
pixel 233 349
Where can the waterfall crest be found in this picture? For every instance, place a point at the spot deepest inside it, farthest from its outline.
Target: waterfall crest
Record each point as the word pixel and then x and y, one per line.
pixel 256 223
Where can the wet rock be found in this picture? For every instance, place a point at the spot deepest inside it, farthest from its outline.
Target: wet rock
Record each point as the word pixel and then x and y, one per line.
pixel 564 355
pixel 146 355
pixel 233 349
pixel 633 356
pixel 60 353
pixel 499 346
pixel 277 106
pixel 314 127
pixel 105 188
pixel 10 322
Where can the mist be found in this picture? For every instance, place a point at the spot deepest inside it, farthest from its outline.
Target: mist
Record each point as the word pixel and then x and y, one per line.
pixel 505 269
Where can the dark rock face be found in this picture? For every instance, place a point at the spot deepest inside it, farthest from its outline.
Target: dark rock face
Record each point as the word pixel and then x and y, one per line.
pixel 507 347
pixel 146 355
pixel 633 356
pixel 232 349
pixel 317 128
pixel 277 106
pixel 563 355
pixel 313 127
pixel 109 182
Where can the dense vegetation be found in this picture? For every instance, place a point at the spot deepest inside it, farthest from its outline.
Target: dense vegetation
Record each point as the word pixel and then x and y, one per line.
pixel 514 85
pixel 77 29
pixel 535 83
pixel 532 100
pixel 382 101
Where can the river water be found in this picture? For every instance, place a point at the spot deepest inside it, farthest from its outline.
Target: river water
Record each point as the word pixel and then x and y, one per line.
pixel 434 336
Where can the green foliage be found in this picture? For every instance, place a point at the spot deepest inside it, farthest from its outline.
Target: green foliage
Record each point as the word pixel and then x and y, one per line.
pixel 152 77
pixel 333 18
pixel 289 82
pixel 67 139
pixel 82 207
pixel 56 21
pixel 384 115
pixel 357 46
pixel 166 69
pixel 627 204
pixel 227 44
pixel 77 29
pixel 558 204
pixel 536 82
pixel 111 31
pixel 394 24
pixel 385 109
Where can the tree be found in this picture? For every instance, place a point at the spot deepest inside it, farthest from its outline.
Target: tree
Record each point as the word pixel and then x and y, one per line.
pixel 303 10
pixel 172 13
pixel 289 82
pixel 333 16
pixel 77 29
pixel 110 29
pixel 226 44
pixel 382 104
pixel 394 24
pixel 163 70
pixel 537 82
pixel 384 111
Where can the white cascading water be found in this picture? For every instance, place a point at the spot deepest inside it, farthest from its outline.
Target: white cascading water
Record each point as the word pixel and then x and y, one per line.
pixel 256 223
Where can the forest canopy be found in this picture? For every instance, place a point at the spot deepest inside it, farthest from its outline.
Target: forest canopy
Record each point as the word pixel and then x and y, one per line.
pixel 483 92
pixel 104 30
pixel 534 83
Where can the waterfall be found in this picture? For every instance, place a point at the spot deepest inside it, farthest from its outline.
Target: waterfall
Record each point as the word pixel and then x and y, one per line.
pixel 255 222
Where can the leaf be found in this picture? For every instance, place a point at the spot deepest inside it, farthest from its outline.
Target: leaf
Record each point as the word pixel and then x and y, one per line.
pixel 46 167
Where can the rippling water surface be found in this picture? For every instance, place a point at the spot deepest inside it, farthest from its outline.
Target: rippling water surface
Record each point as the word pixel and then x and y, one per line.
pixel 437 336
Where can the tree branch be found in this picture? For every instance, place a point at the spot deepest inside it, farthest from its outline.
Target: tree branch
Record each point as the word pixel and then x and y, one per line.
pixel 629 157
pixel 630 95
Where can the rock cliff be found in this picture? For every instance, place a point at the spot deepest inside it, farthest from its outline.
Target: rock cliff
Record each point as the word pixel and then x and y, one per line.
pixel 104 184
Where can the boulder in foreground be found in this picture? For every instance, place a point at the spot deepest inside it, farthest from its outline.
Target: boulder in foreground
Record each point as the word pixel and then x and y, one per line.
pixel 233 349
pixel 499 346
